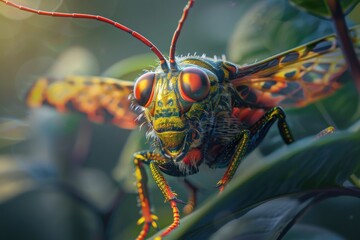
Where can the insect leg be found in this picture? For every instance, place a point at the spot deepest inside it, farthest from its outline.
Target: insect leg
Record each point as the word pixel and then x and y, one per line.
pixel 326 131
pixel 148 218
pixel 242 142
pixel 261 127
pixel 169 195
pixel 191 203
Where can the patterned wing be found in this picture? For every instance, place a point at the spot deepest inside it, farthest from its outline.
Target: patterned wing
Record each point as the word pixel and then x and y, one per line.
pixel 297 77
pixel 101 99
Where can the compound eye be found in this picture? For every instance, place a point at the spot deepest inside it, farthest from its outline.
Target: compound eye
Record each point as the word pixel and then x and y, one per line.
pixel 194 84
pixel 144 89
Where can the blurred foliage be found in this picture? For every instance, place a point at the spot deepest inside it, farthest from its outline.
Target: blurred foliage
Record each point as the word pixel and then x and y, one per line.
pixel 285 29
pixel 62 177
pixel 320 8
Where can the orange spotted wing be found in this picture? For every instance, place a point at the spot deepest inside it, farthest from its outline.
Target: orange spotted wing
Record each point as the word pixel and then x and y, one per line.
pixel 101 99
pixel 297 77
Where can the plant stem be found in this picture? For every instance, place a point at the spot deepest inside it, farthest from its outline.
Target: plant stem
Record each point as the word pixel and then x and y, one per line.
pixel 344 40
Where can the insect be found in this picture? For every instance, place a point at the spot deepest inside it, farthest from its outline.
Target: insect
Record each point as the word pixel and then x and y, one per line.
pixel 198 110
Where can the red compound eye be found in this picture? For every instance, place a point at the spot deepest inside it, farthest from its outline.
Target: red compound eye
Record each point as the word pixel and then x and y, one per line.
pixel 144 89
pixel 194 84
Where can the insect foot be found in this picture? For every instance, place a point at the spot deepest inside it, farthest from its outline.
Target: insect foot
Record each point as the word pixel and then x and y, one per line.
pixel 147 224
pixel 326 131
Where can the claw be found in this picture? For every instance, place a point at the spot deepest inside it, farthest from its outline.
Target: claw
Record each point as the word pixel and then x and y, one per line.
pixel 147 222
pixel 326 131
pixel 178 201
pixel 220 185
pixel 153 218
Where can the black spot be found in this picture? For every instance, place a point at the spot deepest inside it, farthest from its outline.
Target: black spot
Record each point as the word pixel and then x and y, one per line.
pixel 291 56
pixel 108 116
pixel 273 63
pixel 290 74
pixel 118 86
pixel 308 64
pixel 324 66
pixel 311 76
pixel 268 84
pixel 322 46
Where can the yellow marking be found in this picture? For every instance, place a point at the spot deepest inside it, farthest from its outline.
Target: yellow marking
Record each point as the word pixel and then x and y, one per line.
pixel 140 221
pixel 36 94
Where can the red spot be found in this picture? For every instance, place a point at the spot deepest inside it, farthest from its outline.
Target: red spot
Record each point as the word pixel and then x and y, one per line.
pixel 247 115
pixel 194 156
pixel 241 113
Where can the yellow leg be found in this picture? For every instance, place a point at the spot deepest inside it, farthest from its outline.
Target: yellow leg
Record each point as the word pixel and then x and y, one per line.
pixel 147 218
pixel 169 195
pixel 237 157
pixel 247 140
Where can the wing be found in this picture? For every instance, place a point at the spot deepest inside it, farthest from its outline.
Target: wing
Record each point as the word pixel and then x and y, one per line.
pixel 101 99
pixel 297 77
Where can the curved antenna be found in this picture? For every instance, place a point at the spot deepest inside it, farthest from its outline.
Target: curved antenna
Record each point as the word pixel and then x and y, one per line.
pixel 173 65
pixel 136 35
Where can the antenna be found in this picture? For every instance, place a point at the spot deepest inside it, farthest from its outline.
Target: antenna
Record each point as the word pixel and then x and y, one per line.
pixel 136 35
pixel 173 65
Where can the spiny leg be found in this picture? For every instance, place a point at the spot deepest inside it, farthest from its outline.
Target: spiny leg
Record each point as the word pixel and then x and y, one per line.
pixel 249 139
pixel 262 126
pixel 242 142
pixel 148 218
pixel 169 195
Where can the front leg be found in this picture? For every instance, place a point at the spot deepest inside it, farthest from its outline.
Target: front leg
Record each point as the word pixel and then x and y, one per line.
pixel 148 218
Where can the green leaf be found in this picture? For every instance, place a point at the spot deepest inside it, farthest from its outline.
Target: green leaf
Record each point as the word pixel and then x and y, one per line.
pixel 307 165
pixel 131 67
pixel 271 27
pixel 303 231
pixel 265 221
pixel 12 131
pixel 320 8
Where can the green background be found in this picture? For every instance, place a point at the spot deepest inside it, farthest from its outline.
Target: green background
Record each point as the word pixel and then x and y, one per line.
pixel 82 155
